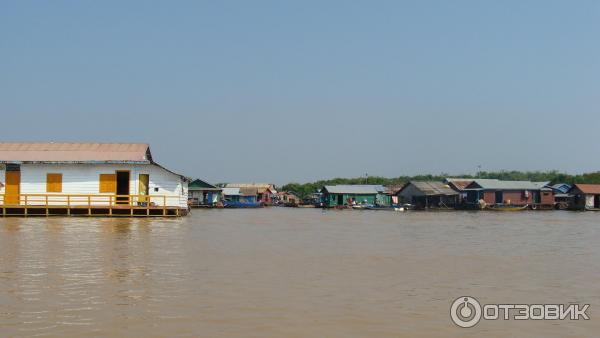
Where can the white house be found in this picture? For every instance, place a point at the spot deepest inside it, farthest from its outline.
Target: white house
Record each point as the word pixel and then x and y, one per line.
pixel 87 174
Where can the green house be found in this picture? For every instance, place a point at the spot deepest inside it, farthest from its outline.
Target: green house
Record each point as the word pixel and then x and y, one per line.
pixel 202 193
pixel 344 195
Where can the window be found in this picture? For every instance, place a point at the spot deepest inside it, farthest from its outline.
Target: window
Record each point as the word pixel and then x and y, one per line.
pixel 108 183
pixel 53 182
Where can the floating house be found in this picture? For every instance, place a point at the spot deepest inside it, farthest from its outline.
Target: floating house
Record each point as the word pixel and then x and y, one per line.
pixel 585 197
pixel 203 194
pixel 240 198
pixel 459 185
pixel 428 195
pixel 231 194
pixel 348 195
pixel 287 198
pixel 315 199
pixel 111 179
pixel 517 193
pixel 562 199
pixel 264 192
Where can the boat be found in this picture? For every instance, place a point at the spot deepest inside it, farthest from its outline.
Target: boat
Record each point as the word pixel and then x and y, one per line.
pixel 385 208
pixel 506 207
pixel 378 207
pixel 236 204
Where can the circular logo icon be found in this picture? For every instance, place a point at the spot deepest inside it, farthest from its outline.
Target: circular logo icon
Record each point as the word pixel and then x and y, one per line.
pixel 465 311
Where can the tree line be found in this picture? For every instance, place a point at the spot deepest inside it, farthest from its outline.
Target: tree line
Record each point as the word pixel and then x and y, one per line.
pixel 304 189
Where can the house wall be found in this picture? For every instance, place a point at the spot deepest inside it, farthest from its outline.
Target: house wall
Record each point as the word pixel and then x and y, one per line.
pixel 547 197
pixel 434 202
pixel 84 179
pixel 264 197
pixel 408 192
pixel 383 199
pixel 199 194
pixel 231 198
pixel 589 201
pixel 331 199
pixel 517 197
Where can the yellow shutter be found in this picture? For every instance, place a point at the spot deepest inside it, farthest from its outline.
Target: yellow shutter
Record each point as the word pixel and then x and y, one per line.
pixel 108 183
pixel 53 182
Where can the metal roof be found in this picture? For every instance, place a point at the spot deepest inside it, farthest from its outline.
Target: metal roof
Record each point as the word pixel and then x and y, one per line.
pixel 355 189
pixel 493 184
pixel 75 152
pixel 259 187
pixel 588 188
pixel 201 185
pixel 432 188
pixel 231 191
pixel 459 183
pixel 562 187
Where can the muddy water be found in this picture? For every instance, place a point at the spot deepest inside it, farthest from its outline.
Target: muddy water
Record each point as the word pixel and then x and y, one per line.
pixel 294 273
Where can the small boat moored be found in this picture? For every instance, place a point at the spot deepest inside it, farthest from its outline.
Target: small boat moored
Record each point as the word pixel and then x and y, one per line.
pixel 506 207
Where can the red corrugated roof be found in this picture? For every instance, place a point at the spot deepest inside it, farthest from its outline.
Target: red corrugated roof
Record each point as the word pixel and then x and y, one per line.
pixel 74 152
pixel 588 188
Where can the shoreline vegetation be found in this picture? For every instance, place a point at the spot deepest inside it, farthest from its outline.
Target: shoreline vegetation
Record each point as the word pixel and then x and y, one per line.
pixel 303 190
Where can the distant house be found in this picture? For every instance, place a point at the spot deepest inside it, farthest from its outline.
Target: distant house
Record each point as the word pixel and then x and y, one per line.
pixel 518 193
pixel 264 192
pixel 240 198
pixel 231 194
pixel 88 178
pixel 346 195
pixel 562 198
pixel 202 193
pixel 315 199
pixel 459 185
pixel 287 198
pixel 428 194
pixel 585 196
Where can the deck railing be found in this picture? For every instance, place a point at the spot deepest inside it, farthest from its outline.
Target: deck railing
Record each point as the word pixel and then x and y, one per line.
pixel 88 200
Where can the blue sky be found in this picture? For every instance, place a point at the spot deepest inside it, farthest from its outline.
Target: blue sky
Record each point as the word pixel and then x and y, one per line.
pixel 285 91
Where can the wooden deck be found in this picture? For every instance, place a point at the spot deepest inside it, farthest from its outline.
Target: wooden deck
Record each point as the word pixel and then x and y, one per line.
pixel 91 205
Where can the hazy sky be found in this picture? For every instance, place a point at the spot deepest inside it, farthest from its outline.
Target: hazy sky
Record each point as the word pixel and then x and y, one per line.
pixel 285 91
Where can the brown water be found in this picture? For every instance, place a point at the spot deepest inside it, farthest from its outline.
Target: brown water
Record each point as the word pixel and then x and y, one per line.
pixel 294 273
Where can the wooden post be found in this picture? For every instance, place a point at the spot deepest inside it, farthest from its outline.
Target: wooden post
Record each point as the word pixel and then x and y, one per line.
pixel 25 204
pixel 148 205
pixel 110 205
pixel 47 212
pixel 164 205
pixel 69 205
pixel 89 198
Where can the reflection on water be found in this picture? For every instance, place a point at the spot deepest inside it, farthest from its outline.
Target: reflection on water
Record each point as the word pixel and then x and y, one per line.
pixel 293 272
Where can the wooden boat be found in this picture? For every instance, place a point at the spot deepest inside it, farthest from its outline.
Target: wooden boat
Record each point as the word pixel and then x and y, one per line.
pixel 501 207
